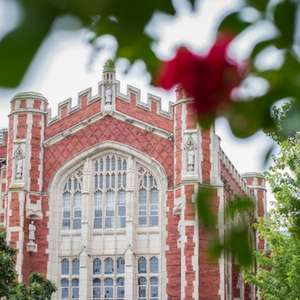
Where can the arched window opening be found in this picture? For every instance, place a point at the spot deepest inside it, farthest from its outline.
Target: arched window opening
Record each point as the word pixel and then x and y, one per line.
pixel 69 281
pixel 148 199
pixel 153 264
pixel 120 288
pixel 108 266
pixel 71 198
pixel 65 267
pixel 142 265
pixel 75 266
pixel 110 195
pixel 108 288
pixel 64 283
pixel 75 288
pixel 142 288
pixel 120 265
pixel 96 266
pixel 154 288
pixel 148 279
pixel 97 289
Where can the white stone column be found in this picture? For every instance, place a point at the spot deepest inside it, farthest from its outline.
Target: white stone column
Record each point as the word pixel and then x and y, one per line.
pixel 130 232
pixel 86 204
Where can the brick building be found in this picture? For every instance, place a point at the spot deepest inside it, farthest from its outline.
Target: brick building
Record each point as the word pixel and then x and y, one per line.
pixel 100 198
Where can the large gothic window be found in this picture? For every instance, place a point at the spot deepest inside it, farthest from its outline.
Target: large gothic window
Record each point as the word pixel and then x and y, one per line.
pixel 72 202
pixel 94 201
pixel 110 181
pixel 148 202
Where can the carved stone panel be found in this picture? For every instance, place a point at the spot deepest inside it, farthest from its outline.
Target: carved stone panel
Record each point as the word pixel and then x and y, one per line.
pixel 190 155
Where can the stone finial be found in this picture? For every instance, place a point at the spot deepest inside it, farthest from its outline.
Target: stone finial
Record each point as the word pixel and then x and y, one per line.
pixel 109 66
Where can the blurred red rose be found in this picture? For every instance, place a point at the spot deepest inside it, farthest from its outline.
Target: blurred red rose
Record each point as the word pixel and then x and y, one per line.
pixel 208 79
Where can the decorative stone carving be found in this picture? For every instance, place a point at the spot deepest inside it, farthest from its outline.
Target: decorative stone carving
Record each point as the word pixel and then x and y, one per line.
pixel 31 245
pixel 108 96
pixel 19 163
pixel 190 150
pixel 34 209
pixel 32 230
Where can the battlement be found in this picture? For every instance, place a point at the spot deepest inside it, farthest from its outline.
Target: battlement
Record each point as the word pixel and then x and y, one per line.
pixel 28 101
pixel 108 99
pixel 233 171
pixel 132 97
pixel 254 180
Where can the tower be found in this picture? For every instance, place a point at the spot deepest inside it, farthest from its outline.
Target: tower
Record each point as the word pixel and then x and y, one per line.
pixel 196 165
pixel 108 86
pixel 27 121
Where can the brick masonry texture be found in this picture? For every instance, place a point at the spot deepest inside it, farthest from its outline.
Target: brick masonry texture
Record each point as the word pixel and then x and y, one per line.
pixel 31 123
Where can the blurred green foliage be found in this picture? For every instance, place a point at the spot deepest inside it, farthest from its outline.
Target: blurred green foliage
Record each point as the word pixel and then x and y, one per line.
pixel 278 267
pixel 38 288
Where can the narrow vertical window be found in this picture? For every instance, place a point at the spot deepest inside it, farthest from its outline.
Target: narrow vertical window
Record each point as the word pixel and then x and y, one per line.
pixel 64 283
pixel 71 202
pixel 96 266
pixel 97 289
pixel 142 288
pixel 148 199
pixel 75 266
pixel 120 288
pixel 66 210
pixel 108 266
pixel 142 207
pixel 65 267
pixel 77 211
pixel 153 264
pixel 75 288
pixel 98 210
pixel 142 265
pixel 120 265
pixel 108 288
pixel 154 288
pixel 153 207
pixel 110 209
pixel 121 209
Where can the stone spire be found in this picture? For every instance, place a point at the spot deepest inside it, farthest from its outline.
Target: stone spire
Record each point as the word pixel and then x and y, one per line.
pixel 109 71
pixel 108 86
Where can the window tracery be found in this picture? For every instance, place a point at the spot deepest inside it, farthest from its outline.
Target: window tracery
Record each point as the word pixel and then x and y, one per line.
pixel 148 200
pixel 110 182
pixel 72 201
pixel 109 176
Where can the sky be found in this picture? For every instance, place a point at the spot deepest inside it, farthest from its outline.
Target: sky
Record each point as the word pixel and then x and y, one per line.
pixel 63 67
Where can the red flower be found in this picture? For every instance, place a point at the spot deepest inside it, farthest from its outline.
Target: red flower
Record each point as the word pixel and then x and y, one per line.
pixel 208 79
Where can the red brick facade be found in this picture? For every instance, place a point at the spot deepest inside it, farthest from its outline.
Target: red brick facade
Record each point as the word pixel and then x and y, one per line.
pixel 48 144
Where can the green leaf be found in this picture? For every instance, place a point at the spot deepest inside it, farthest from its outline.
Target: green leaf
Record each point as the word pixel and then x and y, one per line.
pixel 285 21
pixel 204 209
pixel 18 47
pixel 260 5
pixel 237 242
pixel 238 206
pixel 233 23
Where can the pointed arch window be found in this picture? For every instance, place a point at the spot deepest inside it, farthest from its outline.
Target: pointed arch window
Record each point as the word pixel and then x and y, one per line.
pixel 148 199
pixel 110 183
pixel 71 198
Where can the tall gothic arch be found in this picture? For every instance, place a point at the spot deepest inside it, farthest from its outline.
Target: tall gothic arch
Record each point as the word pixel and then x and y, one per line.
pixel 107 226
